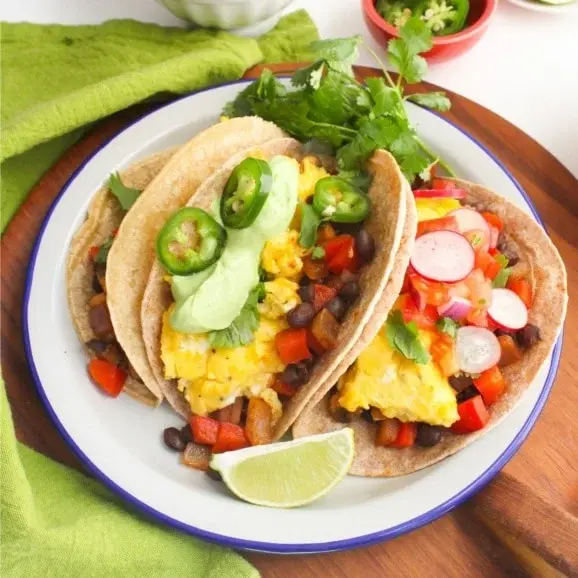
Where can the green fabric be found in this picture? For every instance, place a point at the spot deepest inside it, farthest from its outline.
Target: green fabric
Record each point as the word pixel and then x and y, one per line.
pixel 56 81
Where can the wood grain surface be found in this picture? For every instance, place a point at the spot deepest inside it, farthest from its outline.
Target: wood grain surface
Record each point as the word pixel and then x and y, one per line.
pixel 531 507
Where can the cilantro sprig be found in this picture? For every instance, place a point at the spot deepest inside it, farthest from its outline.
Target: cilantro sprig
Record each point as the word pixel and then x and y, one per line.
pixel 326 104
pixel 126 195
pixel 501 279
pixel 404 337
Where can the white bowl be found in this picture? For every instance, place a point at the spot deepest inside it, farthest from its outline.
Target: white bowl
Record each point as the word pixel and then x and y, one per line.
pixel 225 14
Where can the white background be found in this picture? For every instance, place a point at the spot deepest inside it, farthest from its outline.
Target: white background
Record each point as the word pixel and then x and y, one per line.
pixel 525 68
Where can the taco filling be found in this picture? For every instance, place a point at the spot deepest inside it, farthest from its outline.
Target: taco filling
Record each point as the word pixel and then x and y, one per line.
pixel 260 285
pixel 461 317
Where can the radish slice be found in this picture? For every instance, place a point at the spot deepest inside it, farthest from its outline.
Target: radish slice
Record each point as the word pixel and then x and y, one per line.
pixel 452 193
pixel 469 220
pixel 443 256
pixel 477 349
pixel 457 308
pixel 507 310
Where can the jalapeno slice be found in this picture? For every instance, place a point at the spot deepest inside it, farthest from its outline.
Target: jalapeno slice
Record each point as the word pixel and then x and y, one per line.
pixel 245 193
pixel 190 241
pixel 340 201
pixel 443 17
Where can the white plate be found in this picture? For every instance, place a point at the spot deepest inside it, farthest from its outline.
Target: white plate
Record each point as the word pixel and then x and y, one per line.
pixel 535 6
pixel 119 440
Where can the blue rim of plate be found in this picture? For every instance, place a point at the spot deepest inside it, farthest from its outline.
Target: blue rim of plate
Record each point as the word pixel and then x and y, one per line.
pixel 278 548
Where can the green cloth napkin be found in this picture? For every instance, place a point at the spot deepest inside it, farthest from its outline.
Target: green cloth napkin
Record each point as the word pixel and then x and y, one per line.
pixel 56 80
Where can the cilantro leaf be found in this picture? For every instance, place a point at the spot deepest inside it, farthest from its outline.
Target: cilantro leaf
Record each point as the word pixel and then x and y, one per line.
pixel 447 325
pixel 103 251
pixel 242 329
pixel 433 100
pixel 385 98
pixel 361 179
pixel 339 53
pixel 501 279
pixel 309 76
pixel 403 52
pixel 310 222
pixel 403 337
pixel 318 253
pixel 126 196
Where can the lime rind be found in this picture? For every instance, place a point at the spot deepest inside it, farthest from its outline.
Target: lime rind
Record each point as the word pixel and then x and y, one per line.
pixel 288 475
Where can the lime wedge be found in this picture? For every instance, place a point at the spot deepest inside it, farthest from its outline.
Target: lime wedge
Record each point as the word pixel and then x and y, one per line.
pixel 290 474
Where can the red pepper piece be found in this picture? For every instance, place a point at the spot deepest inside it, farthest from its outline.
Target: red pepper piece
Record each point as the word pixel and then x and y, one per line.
pixel 406 435
pixel 204 429
pixel 522 289
pixel 441 224
pixel 335 245
pixel 490 384
pixel 493 220
pixel 283 388
pixel 107 375
pixel 229 438
pixel 322 294
pixel 291 345
pixel 93 252
pixel 473 416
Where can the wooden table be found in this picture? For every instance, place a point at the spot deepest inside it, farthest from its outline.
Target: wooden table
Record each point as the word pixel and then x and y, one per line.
pixel 458 544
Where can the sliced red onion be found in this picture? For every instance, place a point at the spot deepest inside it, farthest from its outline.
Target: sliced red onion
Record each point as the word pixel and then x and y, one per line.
pixel 477 349
pixel 457 308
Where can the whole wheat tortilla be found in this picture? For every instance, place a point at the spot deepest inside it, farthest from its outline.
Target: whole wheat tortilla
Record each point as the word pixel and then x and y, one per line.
pixel 388 194
pixel 542 264
pixel 104 216
pixel 132 254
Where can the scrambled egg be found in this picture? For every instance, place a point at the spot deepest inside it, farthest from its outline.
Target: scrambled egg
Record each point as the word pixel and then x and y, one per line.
pixel 435 208
pixel 282 255
pixel 281 296
pixel 400 388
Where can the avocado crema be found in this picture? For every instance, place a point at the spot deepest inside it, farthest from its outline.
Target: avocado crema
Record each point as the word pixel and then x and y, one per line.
pixel 200 306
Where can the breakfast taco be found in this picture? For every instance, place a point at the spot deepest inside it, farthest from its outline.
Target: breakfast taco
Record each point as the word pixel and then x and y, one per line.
pixel 473 318
pixel 263 282
pixel 110 256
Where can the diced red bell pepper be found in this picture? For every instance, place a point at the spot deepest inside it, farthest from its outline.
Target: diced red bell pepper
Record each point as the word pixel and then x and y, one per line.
pixel 291 345
pixel 283 388
pixel 493 220
pixel 432 292
pixel 439 183
pixel 405 436
pixel 229 438
pixel 473 416
pixel 447 223
pixel 336 244
pixel 522 289
pixel 490 384
pixel 115 233
pixel 204 429
pixel 108 376
pixel 487 264
pixel 322 294
pixel 425 319
pixel 345 260
pixel 93 252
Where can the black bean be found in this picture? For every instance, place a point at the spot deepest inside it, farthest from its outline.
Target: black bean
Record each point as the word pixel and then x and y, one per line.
pixel 500 332
pixel 214 475
pixel 364 245
pixel 187 433
pixel 97 346
pixel 466 394
pixel 460 382
pixel 301 316
pixel 528 336
pixel 295 374
pixel 304 281
pixel 174 439
pixel 306 293
pixel 308 363
pixel 96 284
pixel 512 257
pixel 337 308
pixel 427 435
pixel 347 228
pixel 366 415
pixel 99 319
pixel 350 291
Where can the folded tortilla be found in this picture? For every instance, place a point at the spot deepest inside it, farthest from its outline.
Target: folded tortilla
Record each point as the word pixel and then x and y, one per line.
pixel 543 266
pixel 388 193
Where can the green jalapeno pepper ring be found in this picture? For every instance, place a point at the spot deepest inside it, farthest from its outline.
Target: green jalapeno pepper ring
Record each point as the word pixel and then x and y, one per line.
pixel 245 193
pixel 340 201
pixel 443 17
pixel 190 241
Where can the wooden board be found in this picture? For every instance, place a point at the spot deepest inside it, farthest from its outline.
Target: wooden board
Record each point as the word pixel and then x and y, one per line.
pixel 457 544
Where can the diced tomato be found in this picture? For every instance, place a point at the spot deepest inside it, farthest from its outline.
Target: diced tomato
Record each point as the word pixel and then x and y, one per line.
pixel 283 388
pixel 433 292
pixel 493 220
pixel 490 384
pixel 345 260
pixel 229 438
pixel 336 245
pixel 459 289
pixel 478 239
pixel 473 416
pixel 322 294
pixel 442 224
pixel 405 286
pixel 405 436
pixel 478 317
pixel 493 252
pixel 204 429
pixel 93 252
pixel 441 346
pixel 108 376
pixel 522 289
pixel 425 319
pixel 480 289
pixel 487 264
pixel 291 345
pixel 438 183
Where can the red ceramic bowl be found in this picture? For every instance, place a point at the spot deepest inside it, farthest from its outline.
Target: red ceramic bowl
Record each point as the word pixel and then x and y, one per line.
pixel 444 47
